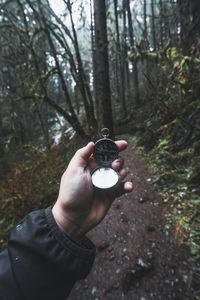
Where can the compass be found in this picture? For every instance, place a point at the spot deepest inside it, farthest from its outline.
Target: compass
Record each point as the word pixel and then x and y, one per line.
pixel 105 152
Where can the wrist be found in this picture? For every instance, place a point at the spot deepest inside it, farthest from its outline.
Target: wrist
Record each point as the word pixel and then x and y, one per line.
pixel 74 231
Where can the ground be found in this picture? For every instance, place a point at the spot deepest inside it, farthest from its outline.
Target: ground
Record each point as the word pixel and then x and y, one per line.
pixel 137 257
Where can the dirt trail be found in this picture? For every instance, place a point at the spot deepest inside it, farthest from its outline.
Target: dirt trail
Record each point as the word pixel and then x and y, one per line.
pixel 136 257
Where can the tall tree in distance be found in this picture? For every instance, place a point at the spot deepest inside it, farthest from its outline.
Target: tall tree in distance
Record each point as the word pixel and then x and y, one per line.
pixel 145 21
pixel 184 15
pixel 161 23
pixel 101 68
pixel 132 44
pixel 153 28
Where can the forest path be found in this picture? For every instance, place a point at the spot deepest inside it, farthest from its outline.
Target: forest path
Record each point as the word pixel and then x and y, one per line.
pixel 137 258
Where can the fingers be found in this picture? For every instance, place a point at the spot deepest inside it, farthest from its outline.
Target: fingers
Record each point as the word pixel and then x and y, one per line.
pixel 123 173
pixel 85 152
pixel 83 156
pixel 121 145
pixel 118 163
pixel 128 187
pixel 123 188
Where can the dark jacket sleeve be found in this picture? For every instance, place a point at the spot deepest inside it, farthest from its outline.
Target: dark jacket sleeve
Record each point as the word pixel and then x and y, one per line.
pixel 41 262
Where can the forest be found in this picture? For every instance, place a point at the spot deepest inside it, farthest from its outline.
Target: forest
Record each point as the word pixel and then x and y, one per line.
pixel 69 68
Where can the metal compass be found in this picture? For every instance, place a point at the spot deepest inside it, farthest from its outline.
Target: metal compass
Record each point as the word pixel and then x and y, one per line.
pixel 105 152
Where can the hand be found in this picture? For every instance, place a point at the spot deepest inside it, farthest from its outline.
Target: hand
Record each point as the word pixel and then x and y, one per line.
pixel 79 206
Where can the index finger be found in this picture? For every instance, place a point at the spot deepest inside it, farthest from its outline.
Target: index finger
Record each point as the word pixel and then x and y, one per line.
pixel 121 145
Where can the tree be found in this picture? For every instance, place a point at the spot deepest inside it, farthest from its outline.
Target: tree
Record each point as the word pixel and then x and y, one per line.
pixel 153 28
pixel 132 43
pixel 184 16
pixel 102 84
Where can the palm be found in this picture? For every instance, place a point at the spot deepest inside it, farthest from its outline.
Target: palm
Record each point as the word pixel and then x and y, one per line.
pixel 81 203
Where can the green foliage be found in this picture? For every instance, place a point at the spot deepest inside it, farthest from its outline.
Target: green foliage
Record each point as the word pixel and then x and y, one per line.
pixel 176 176
pixel 169 136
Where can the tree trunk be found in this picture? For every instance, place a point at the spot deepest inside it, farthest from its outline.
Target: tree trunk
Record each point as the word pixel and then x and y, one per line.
pixel 125 83
pixel 102 84
pixel 92 45
pixel 161 24
pixel 134 63
pixel 118 51
pixel 153 29
pixel 1 137
pixel 184 15
pixel 82 80
pixel 194 33
pixel 145 22
pixel 72 116
pixel 44 128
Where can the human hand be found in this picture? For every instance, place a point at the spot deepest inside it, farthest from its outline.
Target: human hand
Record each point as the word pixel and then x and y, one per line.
pixel 80 207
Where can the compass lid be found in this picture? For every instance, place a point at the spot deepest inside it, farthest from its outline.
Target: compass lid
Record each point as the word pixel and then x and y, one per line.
pixel 105 150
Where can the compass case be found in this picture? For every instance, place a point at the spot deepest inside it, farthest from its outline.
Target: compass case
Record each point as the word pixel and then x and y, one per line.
pixel 105 152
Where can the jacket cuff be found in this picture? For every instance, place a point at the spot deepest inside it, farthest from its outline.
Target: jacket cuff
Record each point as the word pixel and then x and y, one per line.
pixel 84 250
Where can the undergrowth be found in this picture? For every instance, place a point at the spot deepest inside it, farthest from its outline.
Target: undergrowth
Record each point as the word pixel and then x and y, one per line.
pixel 32 184
pixel 175 174
pixel 167 133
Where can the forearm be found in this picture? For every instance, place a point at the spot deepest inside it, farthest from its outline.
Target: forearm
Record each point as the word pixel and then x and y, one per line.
pixel 43 263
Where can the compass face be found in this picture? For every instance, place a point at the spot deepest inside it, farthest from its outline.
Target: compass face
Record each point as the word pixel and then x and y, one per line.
pixel 105 151
pixel 105 178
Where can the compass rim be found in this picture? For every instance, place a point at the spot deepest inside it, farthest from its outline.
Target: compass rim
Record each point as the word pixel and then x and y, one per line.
pixel 101 161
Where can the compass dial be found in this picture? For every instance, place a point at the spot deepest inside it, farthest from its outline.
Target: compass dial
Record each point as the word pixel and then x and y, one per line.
pixel 105 151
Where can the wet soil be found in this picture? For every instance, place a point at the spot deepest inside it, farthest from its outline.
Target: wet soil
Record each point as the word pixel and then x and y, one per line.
pixel 137 258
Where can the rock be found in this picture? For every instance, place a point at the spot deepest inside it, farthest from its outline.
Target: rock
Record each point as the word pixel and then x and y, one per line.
pixel 166 200
pixel 185 278
pixel 141 200
pixel 150 254
pixel 112 257
pixel 150 228
pixel 144 199
pixel 144 265
pixel 117 206
pixel 94 289
pixel 123 218
pixel 127 257
pixel 110 249
pixel 118 271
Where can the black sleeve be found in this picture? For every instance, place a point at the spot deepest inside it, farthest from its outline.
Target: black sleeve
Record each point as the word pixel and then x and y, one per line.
pixel 41 262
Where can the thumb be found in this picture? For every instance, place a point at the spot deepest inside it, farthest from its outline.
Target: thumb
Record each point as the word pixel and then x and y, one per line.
pixel 86 151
